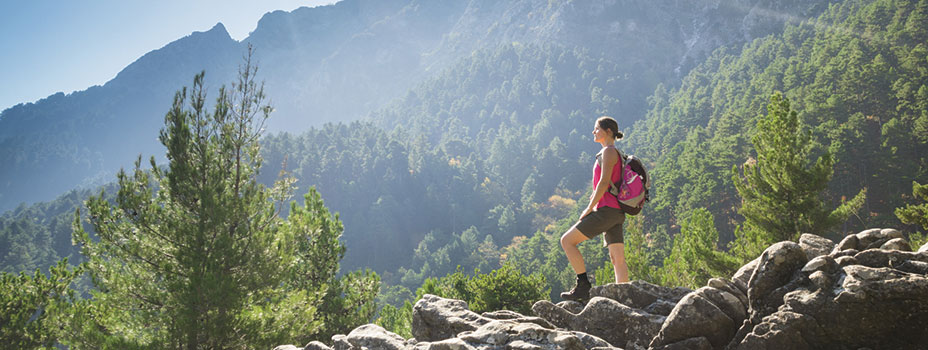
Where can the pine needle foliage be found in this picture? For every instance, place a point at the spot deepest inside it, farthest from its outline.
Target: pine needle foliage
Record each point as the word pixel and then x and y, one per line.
pixel 194 255
pixel 782 191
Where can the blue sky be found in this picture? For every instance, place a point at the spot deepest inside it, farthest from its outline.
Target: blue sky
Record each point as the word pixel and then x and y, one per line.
pixel 64 46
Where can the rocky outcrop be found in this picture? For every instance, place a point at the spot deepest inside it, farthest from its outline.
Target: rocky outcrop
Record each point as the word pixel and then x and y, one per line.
pixel 867 291
pixel 627 314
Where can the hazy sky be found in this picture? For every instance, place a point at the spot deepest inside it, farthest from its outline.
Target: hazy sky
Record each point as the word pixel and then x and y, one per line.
pixel 69 45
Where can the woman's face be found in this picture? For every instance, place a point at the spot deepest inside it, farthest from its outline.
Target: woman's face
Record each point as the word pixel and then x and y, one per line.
pixel 599 134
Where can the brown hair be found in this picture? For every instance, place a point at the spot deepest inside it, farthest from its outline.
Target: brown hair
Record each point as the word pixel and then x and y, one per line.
pixel 606 122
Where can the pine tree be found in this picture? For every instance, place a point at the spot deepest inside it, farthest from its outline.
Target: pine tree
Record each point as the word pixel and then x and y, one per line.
pixel 781 192
pixel 33 308
pixel 194 255
pixel 916 214
pixel 695 257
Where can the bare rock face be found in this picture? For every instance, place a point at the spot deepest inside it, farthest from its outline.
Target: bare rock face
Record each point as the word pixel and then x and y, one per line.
pixel 372 336
pixel 435 318
pixel 696 316
pixel 613 321
pixel 639 294
pixel 626 314
pixel 861 295
pixel 814 245
pixel 772 277
pixel 868 291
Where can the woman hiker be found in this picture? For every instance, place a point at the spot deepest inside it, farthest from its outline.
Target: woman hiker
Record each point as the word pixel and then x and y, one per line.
pixel 602 215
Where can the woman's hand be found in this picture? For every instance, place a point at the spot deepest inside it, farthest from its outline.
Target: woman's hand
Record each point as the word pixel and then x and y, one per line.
pixel 586 212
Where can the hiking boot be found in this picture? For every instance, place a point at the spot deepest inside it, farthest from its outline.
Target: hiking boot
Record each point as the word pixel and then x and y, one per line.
pixel 580 292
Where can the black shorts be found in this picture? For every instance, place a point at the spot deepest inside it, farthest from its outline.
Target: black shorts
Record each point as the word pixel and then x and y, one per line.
pixel 606 220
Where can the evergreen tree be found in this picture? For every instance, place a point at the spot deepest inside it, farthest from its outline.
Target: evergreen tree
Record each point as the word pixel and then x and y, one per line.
pixel 33 308
pixel 194 256
pixel 780 191
pixel 916 214
pixel 695 257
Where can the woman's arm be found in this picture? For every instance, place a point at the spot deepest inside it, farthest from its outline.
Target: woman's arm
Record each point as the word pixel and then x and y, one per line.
pixel 609 160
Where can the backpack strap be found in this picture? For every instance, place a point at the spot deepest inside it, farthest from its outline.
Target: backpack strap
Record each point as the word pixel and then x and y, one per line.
pixel 612 188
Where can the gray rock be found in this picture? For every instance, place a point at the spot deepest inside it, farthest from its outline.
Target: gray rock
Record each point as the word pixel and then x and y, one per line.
pixel 590 341
pixel 517 317
pixel 850 299
pixel 743 275
pixel 849 242
pixel 912 266
pixel 815 245
pixel 725 301
pixel 729 287
pixel 924 248
pixel 768 284
pixel 824 263
pixel 782 330
pixel 846 252
pixel 447 344
pixel 340 342
pixel 695 316
pixel 821 280
pixel 373 336
pixel 605 318
pixel 286 347
pixel 897 244
pixel 660 307
pixel 867 237
pixel 638 294
pixel 514 335
pixel 572 306
pixel 316 345
pixel 435 318
pixel 891 233
pixel 887 258
pixel 876 244
pixel 845 261
pixel 697 343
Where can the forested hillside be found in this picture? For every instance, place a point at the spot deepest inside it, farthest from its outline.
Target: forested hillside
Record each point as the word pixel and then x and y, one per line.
pixel 856 76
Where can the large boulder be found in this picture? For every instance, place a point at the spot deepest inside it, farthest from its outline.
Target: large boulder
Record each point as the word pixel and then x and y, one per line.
pixel 708 313
pixel 815 245
pixel 867 239
pixel 771 279
pixel 435 318
pixel 613 321
pixel 640 294
pixel 516 335
pixel 868 298
pixel 372 336
pixel 743 275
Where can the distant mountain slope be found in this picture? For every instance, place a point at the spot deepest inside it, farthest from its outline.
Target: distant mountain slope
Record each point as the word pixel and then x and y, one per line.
pixel 339 62
pixel 63 141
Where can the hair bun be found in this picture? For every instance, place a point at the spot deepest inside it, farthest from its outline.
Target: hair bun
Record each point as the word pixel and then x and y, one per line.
pixel 619 135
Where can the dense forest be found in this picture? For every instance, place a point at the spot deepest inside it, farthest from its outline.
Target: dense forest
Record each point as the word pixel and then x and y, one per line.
pixel 463 186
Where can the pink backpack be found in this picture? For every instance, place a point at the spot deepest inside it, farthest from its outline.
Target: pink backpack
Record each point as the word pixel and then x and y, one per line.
pixel 632 188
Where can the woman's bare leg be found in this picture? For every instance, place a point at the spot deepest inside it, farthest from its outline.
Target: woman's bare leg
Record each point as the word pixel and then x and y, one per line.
pixel 617 255
pixel 569 242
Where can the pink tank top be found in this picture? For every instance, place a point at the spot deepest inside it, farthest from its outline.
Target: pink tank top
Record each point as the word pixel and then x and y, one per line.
pixel 608 199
